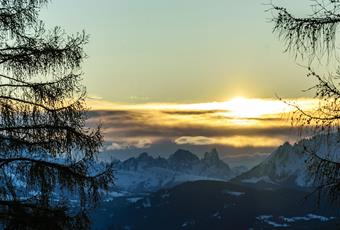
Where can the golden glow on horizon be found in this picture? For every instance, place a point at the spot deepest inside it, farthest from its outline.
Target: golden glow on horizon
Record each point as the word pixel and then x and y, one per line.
pixel 235 141
pixel 241 107
pixel 237 122
pixel 237 107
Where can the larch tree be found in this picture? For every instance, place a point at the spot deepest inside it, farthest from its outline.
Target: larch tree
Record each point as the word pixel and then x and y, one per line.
pixel 46 151
pixel 313 38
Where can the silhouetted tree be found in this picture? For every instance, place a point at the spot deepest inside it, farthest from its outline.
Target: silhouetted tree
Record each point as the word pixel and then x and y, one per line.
pixel 314 38
pixel 46 152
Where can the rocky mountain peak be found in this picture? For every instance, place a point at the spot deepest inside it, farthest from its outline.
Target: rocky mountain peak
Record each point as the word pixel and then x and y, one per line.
pixel 182 155
pixel 285 147
pixel 144 156
pixel 211 156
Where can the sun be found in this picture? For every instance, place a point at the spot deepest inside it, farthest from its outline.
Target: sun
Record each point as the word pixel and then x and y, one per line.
pixel 241 107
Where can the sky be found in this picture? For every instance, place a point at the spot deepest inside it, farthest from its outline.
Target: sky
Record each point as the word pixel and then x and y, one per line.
pixel 191 74
pixel 179 51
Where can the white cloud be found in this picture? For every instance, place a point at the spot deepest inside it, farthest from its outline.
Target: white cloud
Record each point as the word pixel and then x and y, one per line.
pixel 139 144
pixel 143 144
pixel 116 146
pixel 198 140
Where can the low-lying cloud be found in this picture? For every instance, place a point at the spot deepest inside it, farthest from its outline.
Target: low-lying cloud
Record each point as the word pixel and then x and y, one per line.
pixel 131 129
pixel 235 141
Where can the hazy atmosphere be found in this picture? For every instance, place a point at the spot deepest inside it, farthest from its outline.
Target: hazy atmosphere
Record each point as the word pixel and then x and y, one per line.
pixel 179 114
pixel 185 54
pixel 180 51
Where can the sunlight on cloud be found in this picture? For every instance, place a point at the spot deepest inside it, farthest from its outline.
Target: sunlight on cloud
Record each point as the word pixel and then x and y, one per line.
pixel 238 122
pixel 252 108
pixel 235 141
pixel 238 107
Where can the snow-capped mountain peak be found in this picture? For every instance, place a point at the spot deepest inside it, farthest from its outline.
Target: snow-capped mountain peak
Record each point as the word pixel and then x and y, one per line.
pixel 146 173
pixel 288 164
pixel 211 157
pixel 182 156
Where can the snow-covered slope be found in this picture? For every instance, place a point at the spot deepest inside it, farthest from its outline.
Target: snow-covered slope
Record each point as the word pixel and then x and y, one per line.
pixel 146 173
pixel 152 179
pixel 288 164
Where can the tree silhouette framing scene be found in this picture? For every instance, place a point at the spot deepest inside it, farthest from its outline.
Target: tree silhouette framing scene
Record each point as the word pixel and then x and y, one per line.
pixel 45 149
pixel 313 38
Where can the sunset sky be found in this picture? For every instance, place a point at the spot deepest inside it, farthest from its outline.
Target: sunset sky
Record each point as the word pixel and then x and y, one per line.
pixel 191 74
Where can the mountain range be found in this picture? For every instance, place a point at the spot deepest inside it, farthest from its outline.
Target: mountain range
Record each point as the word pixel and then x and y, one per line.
pixel 147 174
pixel 285 167
pixel 288 165
pixel 186 192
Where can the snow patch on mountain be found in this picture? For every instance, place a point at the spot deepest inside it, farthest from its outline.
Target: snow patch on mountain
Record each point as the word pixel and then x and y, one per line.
pixel 268 220
pixel 233 193
pixel 308 217
pixel 285 222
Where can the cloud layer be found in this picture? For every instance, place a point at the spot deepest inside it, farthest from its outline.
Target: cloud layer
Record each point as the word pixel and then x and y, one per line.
pixel 160 129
